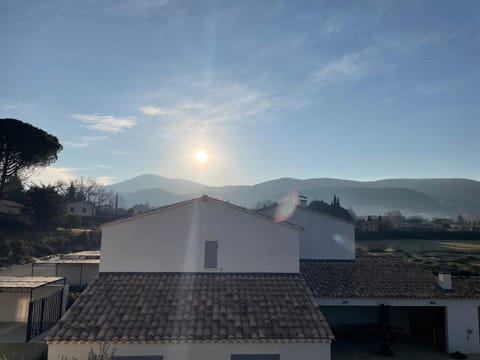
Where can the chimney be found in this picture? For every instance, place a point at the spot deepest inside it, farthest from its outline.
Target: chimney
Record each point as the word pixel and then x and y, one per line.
pixel 303 201
pixel 445 281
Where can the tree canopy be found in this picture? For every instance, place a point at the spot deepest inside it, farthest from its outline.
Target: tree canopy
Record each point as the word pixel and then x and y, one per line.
pixel 46 206
pixel 333 209
pixel 23 146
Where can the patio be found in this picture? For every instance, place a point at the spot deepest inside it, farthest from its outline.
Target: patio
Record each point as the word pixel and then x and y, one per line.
pixel 12 332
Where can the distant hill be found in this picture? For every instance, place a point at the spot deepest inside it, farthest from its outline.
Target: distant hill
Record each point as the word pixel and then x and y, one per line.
pixel 151 181
pixel 434 197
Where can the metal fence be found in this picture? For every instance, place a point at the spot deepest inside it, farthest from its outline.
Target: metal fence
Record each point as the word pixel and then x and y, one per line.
pixel 44 313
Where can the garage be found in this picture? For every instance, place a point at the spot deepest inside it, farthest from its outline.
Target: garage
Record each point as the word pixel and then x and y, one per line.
pixel 369 327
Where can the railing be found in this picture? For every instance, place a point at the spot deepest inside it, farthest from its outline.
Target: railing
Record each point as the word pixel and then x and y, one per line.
pixel 43 314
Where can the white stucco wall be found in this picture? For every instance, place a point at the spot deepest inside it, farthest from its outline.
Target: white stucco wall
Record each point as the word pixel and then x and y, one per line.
pixel 462 323
pixel 172 240
pixel 462 326
pixel 14 306
pixel 221 351
pixel 76 208
pixel 75 274
pixel 323 237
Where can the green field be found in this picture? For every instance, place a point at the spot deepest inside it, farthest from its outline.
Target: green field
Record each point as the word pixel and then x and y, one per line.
pixel 461 257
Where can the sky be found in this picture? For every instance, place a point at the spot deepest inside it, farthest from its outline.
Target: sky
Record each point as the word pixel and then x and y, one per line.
pixel 358 90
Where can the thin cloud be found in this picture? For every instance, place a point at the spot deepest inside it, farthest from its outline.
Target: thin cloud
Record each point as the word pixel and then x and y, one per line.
pixel 150 110
pixel 333 25
pixel 52 174
pixel 383 55
pixel 15 105
pixel 82 141
pixel 106 123
pixel 352 66
pixel 106 180
pixel 227 105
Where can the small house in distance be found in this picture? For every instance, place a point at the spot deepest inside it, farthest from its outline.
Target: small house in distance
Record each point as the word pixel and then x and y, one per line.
pixel 81 208
pixel 197 280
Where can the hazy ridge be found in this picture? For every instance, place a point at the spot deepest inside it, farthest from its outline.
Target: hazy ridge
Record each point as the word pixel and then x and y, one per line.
pixel 434 197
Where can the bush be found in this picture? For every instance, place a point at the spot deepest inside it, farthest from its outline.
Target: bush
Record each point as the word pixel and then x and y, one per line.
pixel 20 247
pixel 72 221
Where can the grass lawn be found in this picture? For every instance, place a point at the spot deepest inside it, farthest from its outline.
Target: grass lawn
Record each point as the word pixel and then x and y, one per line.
pixel 461 257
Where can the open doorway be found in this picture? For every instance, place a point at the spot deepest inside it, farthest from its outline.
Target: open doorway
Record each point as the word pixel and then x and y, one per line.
pixel 359 328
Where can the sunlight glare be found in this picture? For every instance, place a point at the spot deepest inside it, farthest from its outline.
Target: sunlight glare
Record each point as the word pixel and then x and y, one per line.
pixel 201 156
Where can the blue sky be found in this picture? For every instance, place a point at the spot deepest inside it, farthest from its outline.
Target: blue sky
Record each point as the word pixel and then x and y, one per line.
pixel 359 90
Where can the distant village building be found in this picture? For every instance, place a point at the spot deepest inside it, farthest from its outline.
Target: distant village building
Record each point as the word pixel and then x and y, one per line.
pixel 81 208
pixel 415 223
pixel 140 209
pixel 442 224
pixel 369 223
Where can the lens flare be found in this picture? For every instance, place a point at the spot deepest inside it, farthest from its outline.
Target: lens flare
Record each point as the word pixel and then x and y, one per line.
pixel 287 206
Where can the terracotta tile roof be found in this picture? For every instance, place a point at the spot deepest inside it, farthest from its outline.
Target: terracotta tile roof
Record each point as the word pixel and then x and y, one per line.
pixel 381 277
pixel 166 307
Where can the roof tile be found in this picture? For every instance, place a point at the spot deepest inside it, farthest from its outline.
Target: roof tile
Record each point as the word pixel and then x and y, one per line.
pixel 381 277
pixel 164 307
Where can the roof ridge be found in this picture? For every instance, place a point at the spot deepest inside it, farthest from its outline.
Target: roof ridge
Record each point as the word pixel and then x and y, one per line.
pixel 203 198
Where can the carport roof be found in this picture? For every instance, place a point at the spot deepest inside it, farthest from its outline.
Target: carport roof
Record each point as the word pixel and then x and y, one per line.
pixel 381 277
pixel 26 282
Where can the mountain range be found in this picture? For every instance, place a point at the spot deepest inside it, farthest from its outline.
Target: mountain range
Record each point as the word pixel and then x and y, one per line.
pixel 431 197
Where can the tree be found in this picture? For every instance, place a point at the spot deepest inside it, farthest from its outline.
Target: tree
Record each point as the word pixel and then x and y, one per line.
pixel 85 189
pixel 24 146
pixel 333 209
pixel 46 206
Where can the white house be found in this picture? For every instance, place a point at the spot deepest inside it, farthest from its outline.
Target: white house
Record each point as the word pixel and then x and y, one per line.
pixel 323 236
pixel 201 279
pixel 81 208
pixel 434 310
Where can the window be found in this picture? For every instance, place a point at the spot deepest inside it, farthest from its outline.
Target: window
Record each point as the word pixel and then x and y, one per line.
pixel 84 210
pixel 72 209
pixel 211 254
pixel 256 357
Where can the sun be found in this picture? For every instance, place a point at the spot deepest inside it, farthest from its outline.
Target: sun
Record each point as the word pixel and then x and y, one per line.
pixel 201 156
